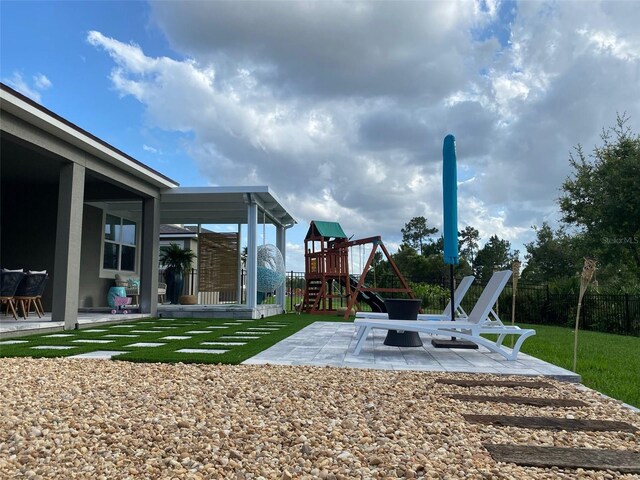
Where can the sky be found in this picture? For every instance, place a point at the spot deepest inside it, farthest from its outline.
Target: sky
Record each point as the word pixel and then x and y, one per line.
pixel 341 108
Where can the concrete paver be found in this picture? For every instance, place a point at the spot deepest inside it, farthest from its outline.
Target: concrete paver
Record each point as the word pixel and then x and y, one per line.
pixel 332 344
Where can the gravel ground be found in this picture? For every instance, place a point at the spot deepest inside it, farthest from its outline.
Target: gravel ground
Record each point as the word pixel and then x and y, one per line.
pixel 62 418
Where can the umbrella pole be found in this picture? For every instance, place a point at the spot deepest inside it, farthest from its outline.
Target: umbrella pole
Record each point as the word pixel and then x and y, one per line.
pixel 452 286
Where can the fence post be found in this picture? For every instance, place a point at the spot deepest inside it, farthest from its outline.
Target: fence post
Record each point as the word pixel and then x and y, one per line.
pixel 547 304
pixel 627 316
pixel 291 290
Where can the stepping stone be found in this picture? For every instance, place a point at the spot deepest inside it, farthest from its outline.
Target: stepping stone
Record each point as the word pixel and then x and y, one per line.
pixel 278 324
pixel 232 323
pixel 494 383
pixel 217 326
pixel 622 461
pixel 163 328
pixel 198 331
pixel 146 344
pixel 251 333
pixel 60 335
pixel 115 335
pixel 92 341
pixel 200 350
pixel 175 337
pixel 98 354
pixel 94 330
pixel 223 343
pixel 144 331
pixel 123 326
pixel 13 342
pixel 534 401
pixel 242 337
pixel 52 347
pixel 246 321
pixel 266 329
pixel 551 423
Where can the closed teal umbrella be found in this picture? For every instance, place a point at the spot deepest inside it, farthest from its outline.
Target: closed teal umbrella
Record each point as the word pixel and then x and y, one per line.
pixel 450 208
pixel 450 200
pixel 450 227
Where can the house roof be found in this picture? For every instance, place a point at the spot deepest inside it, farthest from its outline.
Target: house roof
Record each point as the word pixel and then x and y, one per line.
pixel 326 229
pixel 23 107
pixel 222 205
pixel 191 230
pixel 214 205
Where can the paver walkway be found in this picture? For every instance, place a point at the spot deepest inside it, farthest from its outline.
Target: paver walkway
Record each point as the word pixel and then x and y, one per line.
pixel 331 344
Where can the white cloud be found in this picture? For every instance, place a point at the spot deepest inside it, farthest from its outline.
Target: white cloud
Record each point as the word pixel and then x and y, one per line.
pixel 17 82
pixel 342 107
pixel 610 43
pixel 41 81
pixel 149 149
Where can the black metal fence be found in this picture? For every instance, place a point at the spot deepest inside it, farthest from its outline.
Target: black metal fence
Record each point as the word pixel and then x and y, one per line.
pixel 535 304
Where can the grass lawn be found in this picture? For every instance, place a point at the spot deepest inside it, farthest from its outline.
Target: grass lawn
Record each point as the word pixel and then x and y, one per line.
pixel 608 363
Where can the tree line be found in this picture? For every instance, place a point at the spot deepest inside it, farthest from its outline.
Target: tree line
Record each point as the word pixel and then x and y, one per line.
pixel 599 207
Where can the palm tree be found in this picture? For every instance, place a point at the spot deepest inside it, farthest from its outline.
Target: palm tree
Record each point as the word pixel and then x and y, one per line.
pixel 178 261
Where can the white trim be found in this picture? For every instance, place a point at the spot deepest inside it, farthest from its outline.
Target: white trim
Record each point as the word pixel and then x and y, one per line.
pixel 107 272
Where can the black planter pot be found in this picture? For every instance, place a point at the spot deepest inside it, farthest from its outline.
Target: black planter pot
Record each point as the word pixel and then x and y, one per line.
pixel 402 309
pixel 175 282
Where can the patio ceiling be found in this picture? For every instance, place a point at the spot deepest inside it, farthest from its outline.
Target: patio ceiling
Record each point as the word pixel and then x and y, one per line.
pixel 214 205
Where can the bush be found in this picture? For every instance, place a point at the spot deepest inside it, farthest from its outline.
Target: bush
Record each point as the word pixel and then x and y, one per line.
pixel 434 297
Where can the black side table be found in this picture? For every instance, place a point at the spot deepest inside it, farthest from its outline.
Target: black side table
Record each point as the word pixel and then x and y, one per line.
pixel 402 309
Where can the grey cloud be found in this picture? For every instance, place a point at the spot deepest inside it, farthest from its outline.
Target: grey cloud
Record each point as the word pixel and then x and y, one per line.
pixel 387 81
pixel 330 48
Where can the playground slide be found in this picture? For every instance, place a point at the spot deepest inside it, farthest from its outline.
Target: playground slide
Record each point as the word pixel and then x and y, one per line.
pixel 375 301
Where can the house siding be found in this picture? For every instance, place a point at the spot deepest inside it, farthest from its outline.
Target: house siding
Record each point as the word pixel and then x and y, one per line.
pixel 93 289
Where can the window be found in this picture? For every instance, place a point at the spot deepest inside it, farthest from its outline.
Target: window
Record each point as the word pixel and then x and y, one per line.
pixel 119 252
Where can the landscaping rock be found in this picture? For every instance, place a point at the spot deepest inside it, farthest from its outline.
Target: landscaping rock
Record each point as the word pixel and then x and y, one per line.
pixel 95 419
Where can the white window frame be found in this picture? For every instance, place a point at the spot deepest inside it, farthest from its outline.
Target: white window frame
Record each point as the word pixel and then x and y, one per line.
pixel 111 273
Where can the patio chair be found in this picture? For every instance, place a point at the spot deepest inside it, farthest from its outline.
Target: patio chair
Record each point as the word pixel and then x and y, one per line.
pixel 478 323
pixel 460 292
pixel 28 291
pixel 9 282
pixel 38 300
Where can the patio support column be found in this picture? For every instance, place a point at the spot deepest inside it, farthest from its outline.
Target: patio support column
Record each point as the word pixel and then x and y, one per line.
pixel 252 253
pixel 281 243
pixel 66 284
pixel 239 280
pixel 150 255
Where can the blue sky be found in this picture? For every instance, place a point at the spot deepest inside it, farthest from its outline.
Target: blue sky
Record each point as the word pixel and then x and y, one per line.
pixel 341 107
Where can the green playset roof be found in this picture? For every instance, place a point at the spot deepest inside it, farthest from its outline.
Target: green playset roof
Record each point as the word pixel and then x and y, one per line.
pixel 326 230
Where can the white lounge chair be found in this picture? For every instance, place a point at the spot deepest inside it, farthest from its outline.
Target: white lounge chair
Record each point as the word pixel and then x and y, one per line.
pixel 460 292
pixel 478 323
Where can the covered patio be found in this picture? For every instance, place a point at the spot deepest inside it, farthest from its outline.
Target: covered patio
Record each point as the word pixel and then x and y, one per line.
pixel 80 209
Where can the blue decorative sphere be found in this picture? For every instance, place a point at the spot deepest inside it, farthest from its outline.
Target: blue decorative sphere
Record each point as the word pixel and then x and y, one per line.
pixel 271 272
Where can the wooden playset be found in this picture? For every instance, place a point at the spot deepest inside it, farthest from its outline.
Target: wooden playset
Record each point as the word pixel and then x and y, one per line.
pixel 327 279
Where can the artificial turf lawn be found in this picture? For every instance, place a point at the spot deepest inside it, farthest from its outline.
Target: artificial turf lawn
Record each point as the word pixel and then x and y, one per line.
pixel 166 353
pixel 607 363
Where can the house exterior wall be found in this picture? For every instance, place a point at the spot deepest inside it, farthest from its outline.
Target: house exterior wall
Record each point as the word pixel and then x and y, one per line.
pixel 93 289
